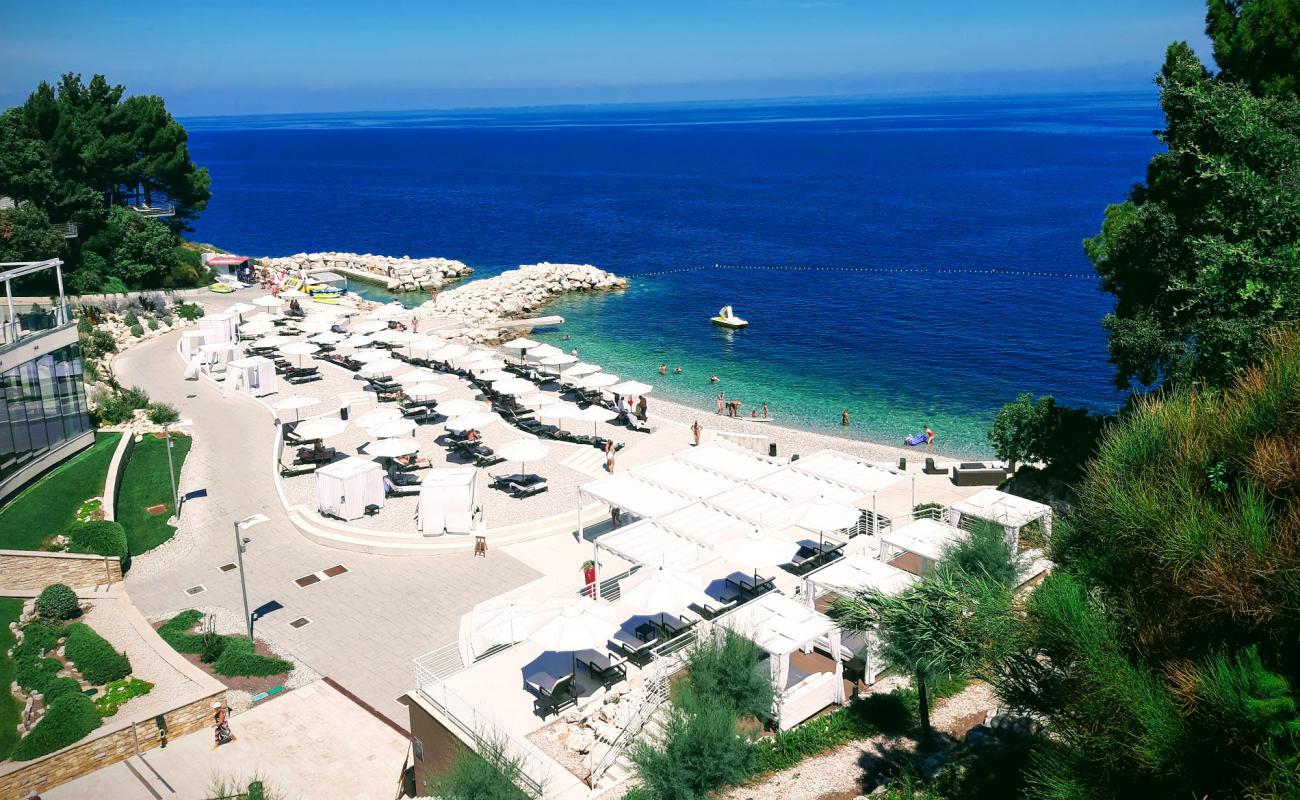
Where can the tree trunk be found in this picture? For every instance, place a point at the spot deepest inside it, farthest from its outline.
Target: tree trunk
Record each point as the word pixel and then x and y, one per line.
pixel 923 701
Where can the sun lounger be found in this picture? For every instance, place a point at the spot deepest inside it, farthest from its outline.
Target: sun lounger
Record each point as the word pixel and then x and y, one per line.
pixel 302 377
pixel 552 692
pixel 312 456
pixel 403 491
pixel 604 667
pixel 294 470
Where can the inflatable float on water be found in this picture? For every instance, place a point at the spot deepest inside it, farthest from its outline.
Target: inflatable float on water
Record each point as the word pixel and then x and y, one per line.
pixel 728 319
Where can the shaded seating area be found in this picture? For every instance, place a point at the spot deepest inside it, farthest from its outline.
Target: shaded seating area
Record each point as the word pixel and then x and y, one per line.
pixel 854 573
pixel 1012 512
pixel 918 546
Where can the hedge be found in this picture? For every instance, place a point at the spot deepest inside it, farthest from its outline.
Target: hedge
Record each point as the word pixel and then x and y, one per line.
pixel 176 632
pixel 94 657
pixel 100 537
pixel 237 660
pixel 57 601
pixel 37 640
pixel 61 686
pixel 34 673
pixel 69 718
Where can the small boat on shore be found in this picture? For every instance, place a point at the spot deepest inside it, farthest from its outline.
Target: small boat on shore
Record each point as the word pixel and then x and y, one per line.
pixel 728 319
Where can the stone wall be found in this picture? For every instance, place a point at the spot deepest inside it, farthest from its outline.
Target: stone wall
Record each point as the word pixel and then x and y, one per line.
pixel 33 569
pixel 116 745
pixel 398 274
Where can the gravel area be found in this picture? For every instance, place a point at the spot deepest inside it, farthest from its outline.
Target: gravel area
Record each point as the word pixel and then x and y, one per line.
pixel 839 772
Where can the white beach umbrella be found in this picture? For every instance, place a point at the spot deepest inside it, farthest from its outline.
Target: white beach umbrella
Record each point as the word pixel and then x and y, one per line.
pixel 471 422
pixel 295 403
pixel 427 345
pixel 535 400
pixel 631 387
pixel 392 448
pixel 423 391
pixel 523 451
pixel 376 368
pixel 595 415
pixel 240 309
pixel 260 328
pixel 392 311
pixel 417 375
pixel 756 550
pixel 292 294
pixel 323 428
pixel 499 622
pixel 574 624
pixel 460 407
pixel 542 351
pixel 515 386
pixel 559 410
pixel 559 360
pixel 486 365
pixel 370 356
pixel 328 337
pixel 452 351
pixel 397 337
pixel 520 344
pixel 318 323
pixel 356 340
pixel 666 591
pixel 598 380
pixel 392 429
pixel 823 515
pixel 492 376
pixel 271 341
pixel 268 301
pixel 367 326
pixel 299 349
pixel 578 370
pixel 376 416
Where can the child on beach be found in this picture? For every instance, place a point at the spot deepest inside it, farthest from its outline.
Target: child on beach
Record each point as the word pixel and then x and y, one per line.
pixel 929 438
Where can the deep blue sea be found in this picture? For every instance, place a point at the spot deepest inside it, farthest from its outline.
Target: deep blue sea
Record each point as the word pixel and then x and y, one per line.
pixel 917 261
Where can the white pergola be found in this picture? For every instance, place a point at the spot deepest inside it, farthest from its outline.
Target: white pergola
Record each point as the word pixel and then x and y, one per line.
pixel 684 479
pixel 1008 510
pixel 650 544
pixel 780 626
pixel 740 465
pixel 851 574
pixel 924 538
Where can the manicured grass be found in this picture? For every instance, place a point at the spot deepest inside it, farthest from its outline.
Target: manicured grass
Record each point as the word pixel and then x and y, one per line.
pixel 10 608
pixel 50 505
pixel 145 483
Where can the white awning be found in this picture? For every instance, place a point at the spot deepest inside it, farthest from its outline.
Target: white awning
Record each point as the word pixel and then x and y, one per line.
pixel 705 524
pixel 727 460
pixel 754 505
pixel 848 471
pixel 630 493
pixel 649 544
pixel 683 478
pixel 1005 509
pixel 776 623
pixel 925 537
pixel 800 487
pixel 857 572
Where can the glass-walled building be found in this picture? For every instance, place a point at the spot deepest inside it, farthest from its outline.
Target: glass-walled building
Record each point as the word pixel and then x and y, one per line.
pixel 43 415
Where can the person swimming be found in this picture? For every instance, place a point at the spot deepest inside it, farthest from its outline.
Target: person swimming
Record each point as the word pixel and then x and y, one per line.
pixel 713 379
pixel 663 369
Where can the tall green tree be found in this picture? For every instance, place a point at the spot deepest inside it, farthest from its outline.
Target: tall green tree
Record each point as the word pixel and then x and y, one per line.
pixel 1257 42
pixel 1203 259
pixel 26 235
pixel 1164 652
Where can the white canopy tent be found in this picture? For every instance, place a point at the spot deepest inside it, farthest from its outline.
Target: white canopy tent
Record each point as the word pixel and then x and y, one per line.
pixel 1008 510
pixel 254 375
pixel 704 524
pixel 728 460
pixel 780 626
pixel 449 501
pixel 219 327
pixel 683 478
pixel 650 544
pixel 190 341
pixel 755 505
pixel 851 574
pixel 634 495
pixel 924 538
pixel 345 488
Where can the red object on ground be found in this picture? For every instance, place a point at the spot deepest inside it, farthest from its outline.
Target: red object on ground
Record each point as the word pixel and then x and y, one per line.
pixel 589 575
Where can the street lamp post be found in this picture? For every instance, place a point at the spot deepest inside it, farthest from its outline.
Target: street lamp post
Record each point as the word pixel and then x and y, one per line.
pixel 171 471
pixel 240 542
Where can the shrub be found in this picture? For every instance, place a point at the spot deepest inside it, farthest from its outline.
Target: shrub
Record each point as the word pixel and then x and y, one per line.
pixel 237 660
pixel 94 657
pixel 984 553
pixel 731 674
pixel 118 693
pixel 134 397
pixel 162 413
pixel 212 647
pixel 168 319
pixel 153 324
pixel 114 285
pixel 111 409
pixel 137 331
pixel 95 342
pixel 177 632
pixel 189 311
pixel 131 320
pixel 490 776
pixel 100 537
pixel 34 674
pixel 69 718
pixel 58 687
pixel 57 601
pixel 37 640
pixel 699 752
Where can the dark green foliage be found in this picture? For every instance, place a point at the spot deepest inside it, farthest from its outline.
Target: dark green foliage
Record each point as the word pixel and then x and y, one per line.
pixel 69 718
pixel 179 632
pixel 111 409
pixel 1039 430
pixel 189 311
pixel 153 324
pixel 135 397
pixel 213 644
pixel 94 657
pixel 731 674
pixel 50 505
pixel 1202 258
pixel 34 673
pixel 38 639
pixel 96 343
pixel 928 510
pixel 471 776
pixel 130 319
pixel 146 481
pixel 984 552
pixel 57 601
pixel 162 413
pixel 700 752
pixel 1164 651
pixel 60 686
pixel 10 709
pixel 26 235
pixel 237 660
pixel 137 331
pixel 101 537
pixel 1257 42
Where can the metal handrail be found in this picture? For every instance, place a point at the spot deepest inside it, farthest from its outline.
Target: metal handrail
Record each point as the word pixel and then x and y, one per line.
pixel 610 588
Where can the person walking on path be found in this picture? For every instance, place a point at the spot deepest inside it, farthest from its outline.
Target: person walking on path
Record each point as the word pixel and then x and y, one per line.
pixel 220 725
pixel 695 431
pixel 844 418
pixel 609 456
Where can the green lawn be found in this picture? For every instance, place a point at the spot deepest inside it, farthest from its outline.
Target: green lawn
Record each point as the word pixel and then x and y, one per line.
pixel 10 608
pixel 50 505
pixel 145 483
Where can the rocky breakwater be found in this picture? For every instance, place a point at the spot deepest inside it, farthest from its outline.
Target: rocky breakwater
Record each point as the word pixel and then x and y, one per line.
pixel 403 274
pixel 484 304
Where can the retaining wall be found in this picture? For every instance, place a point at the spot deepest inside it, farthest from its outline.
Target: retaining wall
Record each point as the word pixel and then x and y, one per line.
pixel 35 569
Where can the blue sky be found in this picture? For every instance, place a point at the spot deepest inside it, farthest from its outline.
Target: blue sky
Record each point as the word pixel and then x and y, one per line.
pixel 234 56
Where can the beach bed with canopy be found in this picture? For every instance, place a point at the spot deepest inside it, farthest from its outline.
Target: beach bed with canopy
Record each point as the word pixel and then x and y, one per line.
pixel 1013 513
pixel 918 546
pixel 449 501
pixel 254 375
pixel 218 327
pixel 854 573
pixel 345 489
pixel 787 631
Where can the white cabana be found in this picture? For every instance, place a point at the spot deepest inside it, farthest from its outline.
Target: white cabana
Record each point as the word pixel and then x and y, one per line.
pixel 1008 510
pixel 212 356
pixel 190 341
pixel 848 471
pixel 345 488
pixel 801 487
pixel 449 501
pixel 219 327
pixel 781 626
pixel 923 539
pixel 633 495
pixel 755 505
pixel 855 573
pixel 704 524
pixel 254 375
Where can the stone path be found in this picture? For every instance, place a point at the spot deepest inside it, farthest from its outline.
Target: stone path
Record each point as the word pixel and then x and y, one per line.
pixel 366 625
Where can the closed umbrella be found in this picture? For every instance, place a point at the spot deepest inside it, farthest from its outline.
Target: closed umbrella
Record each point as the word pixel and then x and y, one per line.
pixel 392 429
pixel 377 415
pixel 523 451
pixel 376 368
pixel 471 422
pixel 323 428
pixel 295 403
pixel 631 387
pixel 460 407
pixel 393 448
pixel 423 391
pixel 594 415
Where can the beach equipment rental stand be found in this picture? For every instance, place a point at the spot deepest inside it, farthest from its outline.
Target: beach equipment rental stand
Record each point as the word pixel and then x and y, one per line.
pixel 345 488
pixel 449 501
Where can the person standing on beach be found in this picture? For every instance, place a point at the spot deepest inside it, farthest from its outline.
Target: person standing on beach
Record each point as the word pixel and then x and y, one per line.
pixel 764 409
pixel 722 400
pixel 844 418
pixel 929 439
pixel 609 456
pixel 695 431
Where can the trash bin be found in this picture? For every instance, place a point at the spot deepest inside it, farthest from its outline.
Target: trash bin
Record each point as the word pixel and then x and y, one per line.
pixel 902 464
pixel 771 449
pixel 343 413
